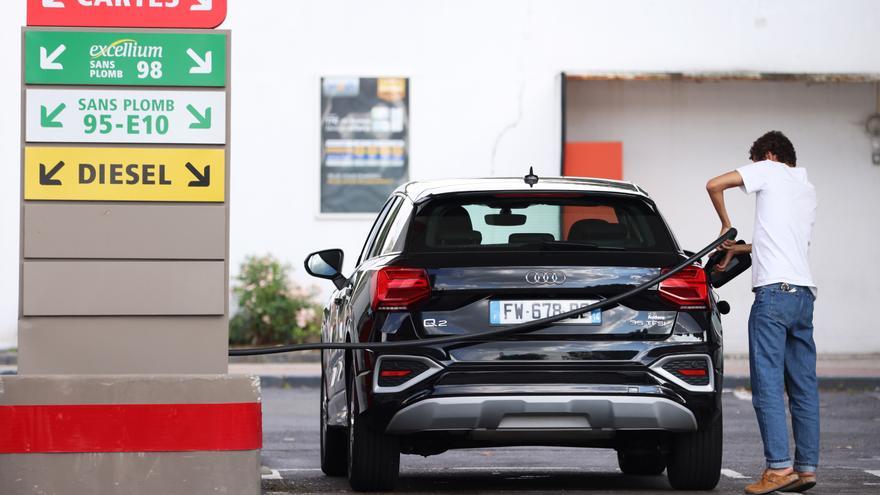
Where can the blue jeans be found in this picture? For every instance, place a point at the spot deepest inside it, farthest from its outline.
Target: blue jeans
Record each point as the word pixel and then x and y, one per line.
pixel 782 358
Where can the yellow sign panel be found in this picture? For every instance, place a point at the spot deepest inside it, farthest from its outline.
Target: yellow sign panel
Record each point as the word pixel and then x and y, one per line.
pixel 125 174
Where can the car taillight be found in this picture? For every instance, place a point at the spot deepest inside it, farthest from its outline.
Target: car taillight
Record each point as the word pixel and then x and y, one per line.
pixel 395 373
pixel 688 289
pixel 396 288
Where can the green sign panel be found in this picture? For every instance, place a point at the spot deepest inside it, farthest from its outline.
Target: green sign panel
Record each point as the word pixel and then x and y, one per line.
pixel 125 58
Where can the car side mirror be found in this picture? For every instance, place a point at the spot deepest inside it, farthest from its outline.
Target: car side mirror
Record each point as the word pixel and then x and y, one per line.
pixel 327 264
pixel 737 265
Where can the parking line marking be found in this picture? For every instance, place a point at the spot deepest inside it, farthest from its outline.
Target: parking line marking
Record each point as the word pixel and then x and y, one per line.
pixel 288 470
pixel 730 473
pixel 273 475
pixel 515 468
pixel 875 472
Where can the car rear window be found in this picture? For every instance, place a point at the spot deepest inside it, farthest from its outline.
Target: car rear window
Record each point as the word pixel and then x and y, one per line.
pixel 540 221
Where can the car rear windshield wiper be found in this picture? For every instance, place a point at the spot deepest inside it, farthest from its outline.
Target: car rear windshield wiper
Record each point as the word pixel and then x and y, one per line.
pixel 580 246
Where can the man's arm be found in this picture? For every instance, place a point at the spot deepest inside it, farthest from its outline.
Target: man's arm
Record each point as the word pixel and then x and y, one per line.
pixel 716 188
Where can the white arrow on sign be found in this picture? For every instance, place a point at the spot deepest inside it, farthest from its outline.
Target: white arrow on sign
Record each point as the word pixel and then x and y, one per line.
pixel 203 5
pixel 53 4
pixel 47 62
pixel 203 66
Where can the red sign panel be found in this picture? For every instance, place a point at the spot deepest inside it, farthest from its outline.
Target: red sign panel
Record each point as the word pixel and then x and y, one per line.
pixel 127 13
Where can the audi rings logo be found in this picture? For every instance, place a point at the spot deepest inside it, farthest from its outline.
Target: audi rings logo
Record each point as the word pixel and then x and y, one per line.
pixel 545 278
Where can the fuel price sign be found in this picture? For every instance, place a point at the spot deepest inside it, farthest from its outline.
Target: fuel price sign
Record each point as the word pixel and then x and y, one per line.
pixel 125 116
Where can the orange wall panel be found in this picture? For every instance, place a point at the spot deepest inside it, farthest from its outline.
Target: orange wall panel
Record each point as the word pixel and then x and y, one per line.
pixel 594 159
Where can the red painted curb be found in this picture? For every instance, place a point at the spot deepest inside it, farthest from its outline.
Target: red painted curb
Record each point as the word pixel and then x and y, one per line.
pixel 130 428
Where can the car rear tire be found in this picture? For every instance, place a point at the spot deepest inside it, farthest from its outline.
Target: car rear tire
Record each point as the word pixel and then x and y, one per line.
pixel 334 442
pixel 695 460
pixel 373 457
pixel 641 463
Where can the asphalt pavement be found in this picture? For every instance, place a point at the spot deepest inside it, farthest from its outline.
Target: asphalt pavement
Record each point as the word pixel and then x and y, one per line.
pixel 850 454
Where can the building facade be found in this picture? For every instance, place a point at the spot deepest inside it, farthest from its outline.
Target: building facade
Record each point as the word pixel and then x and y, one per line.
pixel 486 99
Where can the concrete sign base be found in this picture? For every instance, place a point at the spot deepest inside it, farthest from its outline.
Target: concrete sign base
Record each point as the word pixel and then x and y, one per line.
pixel 172 434
pixel 110 345
pixel 171 473
pixel 124 286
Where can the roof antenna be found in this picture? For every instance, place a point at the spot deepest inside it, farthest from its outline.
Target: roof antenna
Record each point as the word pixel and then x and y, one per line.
pixel 531 179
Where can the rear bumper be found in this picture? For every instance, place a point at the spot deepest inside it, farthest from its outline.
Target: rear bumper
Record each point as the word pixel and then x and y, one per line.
pixel 543 412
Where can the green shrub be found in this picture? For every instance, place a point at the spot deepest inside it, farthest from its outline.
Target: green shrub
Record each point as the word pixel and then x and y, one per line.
pixel 272 309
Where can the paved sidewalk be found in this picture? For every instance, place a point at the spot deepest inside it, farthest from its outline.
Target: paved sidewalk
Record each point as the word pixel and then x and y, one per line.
pixel 281 374
pixel 835 371
pixel 830 365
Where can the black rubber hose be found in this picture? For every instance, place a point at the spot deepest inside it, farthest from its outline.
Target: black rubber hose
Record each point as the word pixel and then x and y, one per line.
pixel 502 332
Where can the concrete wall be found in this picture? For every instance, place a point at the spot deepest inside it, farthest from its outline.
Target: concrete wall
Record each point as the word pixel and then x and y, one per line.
pixel 676 135
pixel 485 91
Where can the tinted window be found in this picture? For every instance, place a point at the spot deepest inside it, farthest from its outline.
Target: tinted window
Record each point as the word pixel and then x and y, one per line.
pixel 564 221
pixel 386 228
pixel 393 241
pixel 371 238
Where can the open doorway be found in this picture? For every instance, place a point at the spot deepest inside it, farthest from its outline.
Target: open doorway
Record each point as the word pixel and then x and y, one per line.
pixel 670 133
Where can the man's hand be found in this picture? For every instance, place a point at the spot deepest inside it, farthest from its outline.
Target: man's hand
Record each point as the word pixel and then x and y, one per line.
pixel 722 265
pixel 732 249
pixel 726 244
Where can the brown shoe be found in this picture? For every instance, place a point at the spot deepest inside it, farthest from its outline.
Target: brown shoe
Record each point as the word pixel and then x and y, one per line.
pixel 805 482
pixel 770 482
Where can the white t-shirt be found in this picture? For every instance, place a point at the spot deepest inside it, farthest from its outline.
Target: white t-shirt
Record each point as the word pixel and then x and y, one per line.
pixel 784 215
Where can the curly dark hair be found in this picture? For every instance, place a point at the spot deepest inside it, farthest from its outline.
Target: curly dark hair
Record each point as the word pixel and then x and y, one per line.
pixel 774 142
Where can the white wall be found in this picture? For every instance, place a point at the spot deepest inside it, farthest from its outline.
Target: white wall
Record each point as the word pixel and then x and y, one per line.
pixel 10 195
pixel 677 135
pixel 485 96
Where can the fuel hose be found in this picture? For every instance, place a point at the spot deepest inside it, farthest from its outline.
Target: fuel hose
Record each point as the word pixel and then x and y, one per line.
pixel 502 332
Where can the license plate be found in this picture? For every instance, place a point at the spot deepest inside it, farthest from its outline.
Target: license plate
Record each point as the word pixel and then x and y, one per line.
pixel 513 312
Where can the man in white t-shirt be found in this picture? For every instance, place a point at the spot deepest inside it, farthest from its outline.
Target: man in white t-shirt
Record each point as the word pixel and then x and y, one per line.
pixel 782 354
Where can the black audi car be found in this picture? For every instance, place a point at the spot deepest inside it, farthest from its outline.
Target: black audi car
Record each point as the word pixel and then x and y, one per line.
pixel 464 257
